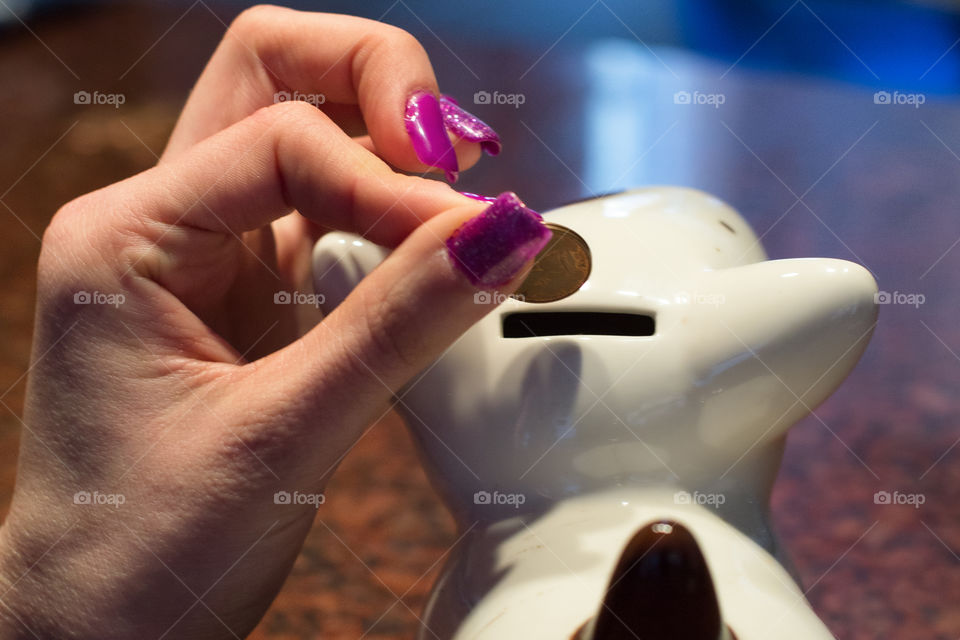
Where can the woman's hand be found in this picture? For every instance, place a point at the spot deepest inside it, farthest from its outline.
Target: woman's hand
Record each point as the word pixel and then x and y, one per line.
pixel 366 77
pixel 170 398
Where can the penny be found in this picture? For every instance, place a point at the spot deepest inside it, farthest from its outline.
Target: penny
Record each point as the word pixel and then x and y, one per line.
pixel 559 270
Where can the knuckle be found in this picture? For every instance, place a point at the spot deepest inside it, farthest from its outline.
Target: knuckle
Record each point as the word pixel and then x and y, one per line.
pixel 253 18
pixel 286 122
pixel 389 41
pixel 290 113
pixel 88 237
pixel 373 346
pixel 391 343
pixel 64 222
pixel 400 40
pixel 65 231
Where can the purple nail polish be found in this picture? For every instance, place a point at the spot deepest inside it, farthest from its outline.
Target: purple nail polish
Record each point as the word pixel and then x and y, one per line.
pixel 465 125
pixel 476 196
pixel 492 247
pixel 424 122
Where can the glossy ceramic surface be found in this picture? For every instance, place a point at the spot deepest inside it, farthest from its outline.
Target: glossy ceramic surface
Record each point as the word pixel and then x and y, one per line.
pixel 579 440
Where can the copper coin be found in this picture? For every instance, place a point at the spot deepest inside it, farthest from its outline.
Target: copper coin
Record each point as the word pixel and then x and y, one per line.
pixel 559 270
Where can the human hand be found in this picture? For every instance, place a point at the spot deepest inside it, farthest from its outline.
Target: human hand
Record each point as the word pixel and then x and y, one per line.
pixel 170 399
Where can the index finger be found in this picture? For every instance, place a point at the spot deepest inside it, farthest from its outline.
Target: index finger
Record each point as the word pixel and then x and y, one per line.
pixel 352 68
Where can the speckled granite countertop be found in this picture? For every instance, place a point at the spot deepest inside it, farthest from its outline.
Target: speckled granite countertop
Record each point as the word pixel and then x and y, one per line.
pixel 879 185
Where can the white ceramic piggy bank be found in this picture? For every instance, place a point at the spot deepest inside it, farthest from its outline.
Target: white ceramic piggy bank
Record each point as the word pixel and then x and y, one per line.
pixel 617 486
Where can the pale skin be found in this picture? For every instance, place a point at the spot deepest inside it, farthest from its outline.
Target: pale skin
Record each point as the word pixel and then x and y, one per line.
pixel 196 399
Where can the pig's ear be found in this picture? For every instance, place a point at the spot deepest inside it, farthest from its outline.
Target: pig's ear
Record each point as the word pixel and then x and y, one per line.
pixel 340 262
pixel 781 337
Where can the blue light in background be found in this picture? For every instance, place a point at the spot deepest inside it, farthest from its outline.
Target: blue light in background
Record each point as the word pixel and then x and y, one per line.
pixel 885 43
pixel 905 45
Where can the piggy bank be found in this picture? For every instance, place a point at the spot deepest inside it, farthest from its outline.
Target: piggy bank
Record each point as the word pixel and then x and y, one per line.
pixel 613 483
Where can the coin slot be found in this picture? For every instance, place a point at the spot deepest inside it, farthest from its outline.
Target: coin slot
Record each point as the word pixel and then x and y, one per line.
pixel 534 324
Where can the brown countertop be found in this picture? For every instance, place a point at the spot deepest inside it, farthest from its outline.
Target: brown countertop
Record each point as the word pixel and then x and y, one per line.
pixel 879 185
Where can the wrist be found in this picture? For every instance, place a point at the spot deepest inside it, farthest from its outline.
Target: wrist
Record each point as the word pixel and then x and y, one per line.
pixel 41 595
pixel 13 626
pixel 76 584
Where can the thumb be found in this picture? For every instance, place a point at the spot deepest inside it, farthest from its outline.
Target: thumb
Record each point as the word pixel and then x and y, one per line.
pixel 401 317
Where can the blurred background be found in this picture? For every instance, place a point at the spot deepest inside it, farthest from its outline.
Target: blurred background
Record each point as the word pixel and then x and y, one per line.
pixel 833 126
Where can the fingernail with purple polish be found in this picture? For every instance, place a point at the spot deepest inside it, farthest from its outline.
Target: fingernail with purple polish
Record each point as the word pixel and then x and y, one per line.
pixel 469 127
pixel 492 247
pixel 425 126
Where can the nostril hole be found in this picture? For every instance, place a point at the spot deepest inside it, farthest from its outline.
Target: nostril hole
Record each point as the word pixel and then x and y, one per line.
pixel 533 324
